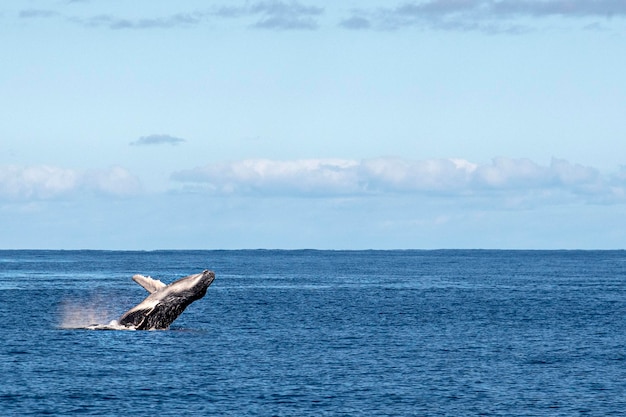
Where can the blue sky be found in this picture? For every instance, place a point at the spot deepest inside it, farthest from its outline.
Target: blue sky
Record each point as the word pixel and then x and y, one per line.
pixel 313 124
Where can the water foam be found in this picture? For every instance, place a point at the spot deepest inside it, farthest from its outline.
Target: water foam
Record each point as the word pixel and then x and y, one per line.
pixel 113 325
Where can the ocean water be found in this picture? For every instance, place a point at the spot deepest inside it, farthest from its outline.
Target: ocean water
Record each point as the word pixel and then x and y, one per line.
pixel 319 333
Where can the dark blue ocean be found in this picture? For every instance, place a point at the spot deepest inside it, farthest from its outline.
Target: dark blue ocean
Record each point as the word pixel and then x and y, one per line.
pixel 314 333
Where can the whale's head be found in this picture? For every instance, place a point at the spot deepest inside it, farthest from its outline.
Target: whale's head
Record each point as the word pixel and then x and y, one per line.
pixel 199 283
pixel 191 288
pixel 206 278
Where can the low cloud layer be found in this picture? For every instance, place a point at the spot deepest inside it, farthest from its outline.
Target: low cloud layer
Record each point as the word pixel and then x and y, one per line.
pixel 157 140
pixel 49 182
pixel 443 177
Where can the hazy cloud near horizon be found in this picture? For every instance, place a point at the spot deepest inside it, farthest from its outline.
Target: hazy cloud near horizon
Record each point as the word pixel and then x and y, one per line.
pixel 454 177
pixel 49 182
pixel 323 178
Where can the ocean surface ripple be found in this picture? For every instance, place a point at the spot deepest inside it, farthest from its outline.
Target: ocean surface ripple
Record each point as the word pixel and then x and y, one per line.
pixel 315 333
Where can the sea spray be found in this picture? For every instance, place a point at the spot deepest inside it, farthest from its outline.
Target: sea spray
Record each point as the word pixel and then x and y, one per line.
pixel 80 314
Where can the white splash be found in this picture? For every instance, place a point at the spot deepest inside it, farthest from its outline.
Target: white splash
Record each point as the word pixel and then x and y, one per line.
pixel 113 325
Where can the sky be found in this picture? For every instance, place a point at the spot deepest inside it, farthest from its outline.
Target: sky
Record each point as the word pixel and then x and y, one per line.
pixel 313 124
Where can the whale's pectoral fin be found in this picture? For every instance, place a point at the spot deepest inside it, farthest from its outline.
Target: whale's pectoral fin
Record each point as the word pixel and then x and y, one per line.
pixel 150 284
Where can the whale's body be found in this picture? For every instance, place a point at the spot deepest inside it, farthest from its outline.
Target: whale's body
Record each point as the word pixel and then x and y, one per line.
pixel 165 302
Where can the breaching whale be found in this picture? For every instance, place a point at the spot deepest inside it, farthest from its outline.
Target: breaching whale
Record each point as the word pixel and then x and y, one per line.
pixel 165 302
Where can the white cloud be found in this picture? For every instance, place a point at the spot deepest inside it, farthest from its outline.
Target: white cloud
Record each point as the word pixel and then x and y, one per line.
pixel 396 174
pixel 49 182
pixel 306 176
pixel 115 181
pixel 514 179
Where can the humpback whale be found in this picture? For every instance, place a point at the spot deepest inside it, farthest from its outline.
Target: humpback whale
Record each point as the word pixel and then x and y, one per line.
pixel 165 302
